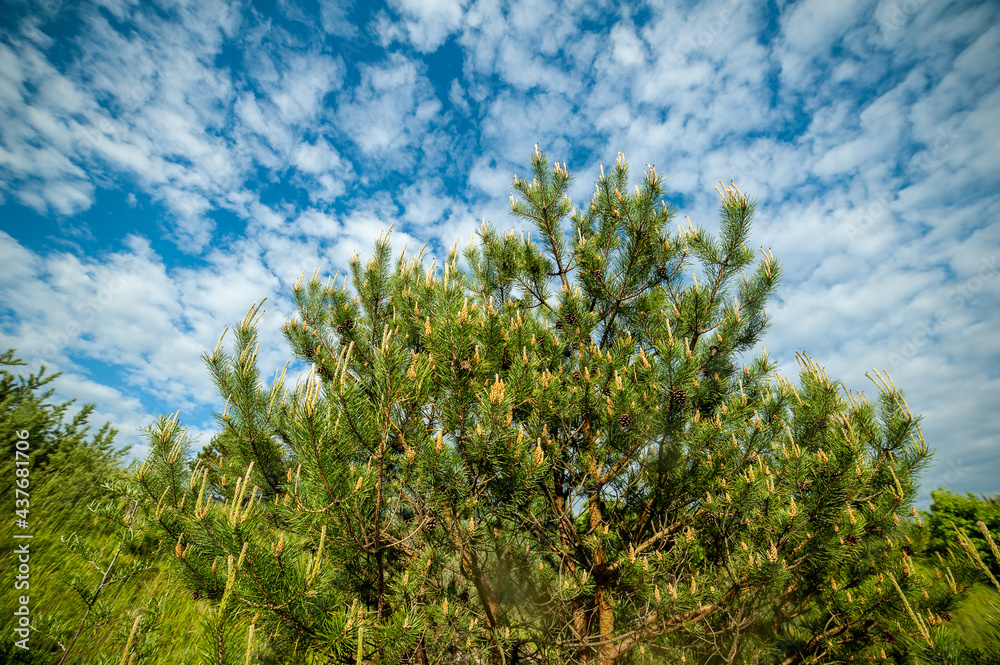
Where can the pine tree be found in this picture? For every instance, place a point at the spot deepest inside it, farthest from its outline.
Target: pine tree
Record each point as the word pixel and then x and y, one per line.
pixel 556 456
pixel 57 441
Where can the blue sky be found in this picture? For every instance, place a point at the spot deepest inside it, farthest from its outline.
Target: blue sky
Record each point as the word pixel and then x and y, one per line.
pixel 164 165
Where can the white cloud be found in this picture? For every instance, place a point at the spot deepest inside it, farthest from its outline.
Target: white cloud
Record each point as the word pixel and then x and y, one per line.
pixel 867 133
pixel 335 19
pixel 298 95
pixel 427 23
pixel 390 110
pixel 315 224
pixel 489 178
pixel 128 312
pixel 329 172
pixel 317 157
pixel 810 30
pixel 626 48
pixel 456 95
pixel 423 206
pixel 264 218
pixel 124 412
pixel 814 25
pixel 34 143
pixel 162 112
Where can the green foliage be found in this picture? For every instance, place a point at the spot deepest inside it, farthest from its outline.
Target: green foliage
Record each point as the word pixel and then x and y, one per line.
pixel 960 536
pixel 86 588
pixel 970 633
pixel 55 442
pixel 557 456
pixel 972 636
pixel 954 513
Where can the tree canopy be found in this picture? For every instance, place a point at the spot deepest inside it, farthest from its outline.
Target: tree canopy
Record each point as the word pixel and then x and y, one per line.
pixel 567 452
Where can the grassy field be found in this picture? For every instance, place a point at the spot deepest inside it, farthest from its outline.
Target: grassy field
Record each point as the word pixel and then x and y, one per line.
pixel 58 575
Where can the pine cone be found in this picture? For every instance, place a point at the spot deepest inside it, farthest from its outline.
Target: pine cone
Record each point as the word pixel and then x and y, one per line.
pixel 309 353
pixel 625 420
pixel 889 637
pixel 559 325
pixel 597 273
pixel 576 374
pixel 345 326
pixel 946 615
pixel 662 272
pixel 677 396
pixel 431 523
pixel 851 540
pixel 570 318
pixel 714 349
pixel 805 485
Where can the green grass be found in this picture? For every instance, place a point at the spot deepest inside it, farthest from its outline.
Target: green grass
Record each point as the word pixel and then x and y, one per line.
pixel 57 609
